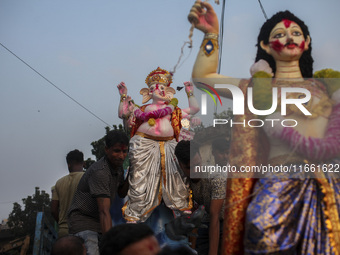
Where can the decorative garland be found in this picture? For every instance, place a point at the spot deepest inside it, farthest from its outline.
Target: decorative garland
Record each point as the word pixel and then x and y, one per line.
pixel 145 116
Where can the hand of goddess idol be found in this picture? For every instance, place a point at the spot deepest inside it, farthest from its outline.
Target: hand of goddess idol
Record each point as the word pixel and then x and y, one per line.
pixel 204 17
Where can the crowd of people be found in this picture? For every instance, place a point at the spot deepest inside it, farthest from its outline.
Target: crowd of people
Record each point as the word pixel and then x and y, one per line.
pixel 81 203
pixel 271 215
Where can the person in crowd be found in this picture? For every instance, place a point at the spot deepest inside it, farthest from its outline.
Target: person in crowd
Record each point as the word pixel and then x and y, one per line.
pixel 64 190
pixel 69 245
pixel 89 213
pixel 128 239
pixel 208 191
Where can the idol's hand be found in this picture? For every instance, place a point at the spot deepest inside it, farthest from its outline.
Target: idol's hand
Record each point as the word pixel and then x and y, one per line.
pixel 131 104
pixel 189 88
pixel 203 16
pixel 122 88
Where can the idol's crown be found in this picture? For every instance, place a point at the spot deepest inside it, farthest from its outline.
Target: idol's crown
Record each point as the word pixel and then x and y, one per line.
pixel 159 76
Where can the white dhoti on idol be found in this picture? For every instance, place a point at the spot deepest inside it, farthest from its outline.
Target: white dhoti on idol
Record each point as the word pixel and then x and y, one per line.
pixel 154 177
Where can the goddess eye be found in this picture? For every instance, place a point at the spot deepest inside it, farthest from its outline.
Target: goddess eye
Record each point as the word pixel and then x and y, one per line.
pixel 296 33
pixel 279 35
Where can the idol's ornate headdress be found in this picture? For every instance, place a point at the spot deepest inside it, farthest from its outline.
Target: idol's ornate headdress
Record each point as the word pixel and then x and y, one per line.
pixel 159 76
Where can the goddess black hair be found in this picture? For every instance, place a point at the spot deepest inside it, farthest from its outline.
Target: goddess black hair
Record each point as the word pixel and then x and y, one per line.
pixel 306 60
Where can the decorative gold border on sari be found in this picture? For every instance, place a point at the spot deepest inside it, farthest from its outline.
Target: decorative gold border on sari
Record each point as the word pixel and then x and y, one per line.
pixel 331 213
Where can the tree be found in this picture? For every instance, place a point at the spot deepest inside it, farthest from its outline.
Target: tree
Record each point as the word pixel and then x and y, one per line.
pixel 226 114
pixel 22 221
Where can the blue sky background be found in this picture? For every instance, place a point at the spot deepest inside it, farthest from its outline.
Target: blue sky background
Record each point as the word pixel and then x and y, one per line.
pixel 87 47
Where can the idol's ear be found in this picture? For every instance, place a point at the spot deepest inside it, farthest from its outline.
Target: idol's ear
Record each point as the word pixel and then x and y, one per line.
pixel 265 47
pixel 145 93
pixel 169 92
pixel 307 43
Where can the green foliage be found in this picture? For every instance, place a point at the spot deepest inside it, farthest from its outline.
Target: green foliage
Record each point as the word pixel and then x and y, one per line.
pixel 88 163
pixel 228 115
pixel 99 146
pixel 22 220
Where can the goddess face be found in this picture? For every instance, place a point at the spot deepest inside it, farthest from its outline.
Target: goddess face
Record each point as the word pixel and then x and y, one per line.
pixel 286 41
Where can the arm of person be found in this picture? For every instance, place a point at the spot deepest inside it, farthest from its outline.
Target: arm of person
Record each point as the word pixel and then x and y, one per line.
pixel 214 229
pixel 55 204
pixel 205 67
pixel 104 204
pixel 55 209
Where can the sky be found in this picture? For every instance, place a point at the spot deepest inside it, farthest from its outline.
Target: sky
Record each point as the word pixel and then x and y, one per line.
pixel 85 48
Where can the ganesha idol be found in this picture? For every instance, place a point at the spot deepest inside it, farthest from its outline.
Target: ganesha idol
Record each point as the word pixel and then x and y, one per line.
pixel 154 174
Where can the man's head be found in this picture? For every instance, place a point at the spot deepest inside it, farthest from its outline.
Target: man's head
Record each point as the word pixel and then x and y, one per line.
pixel 220 150
pixel 116 147
pixel 127 239
pixel 306 60
pixel 69 245
pixel 75 160
pixel 187 153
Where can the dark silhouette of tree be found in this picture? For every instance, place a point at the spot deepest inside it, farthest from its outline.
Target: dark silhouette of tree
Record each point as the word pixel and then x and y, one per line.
pixel 22 220
pixel 226 114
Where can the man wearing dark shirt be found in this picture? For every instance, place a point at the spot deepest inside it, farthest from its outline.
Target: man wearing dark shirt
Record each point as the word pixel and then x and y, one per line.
pixel 89 214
